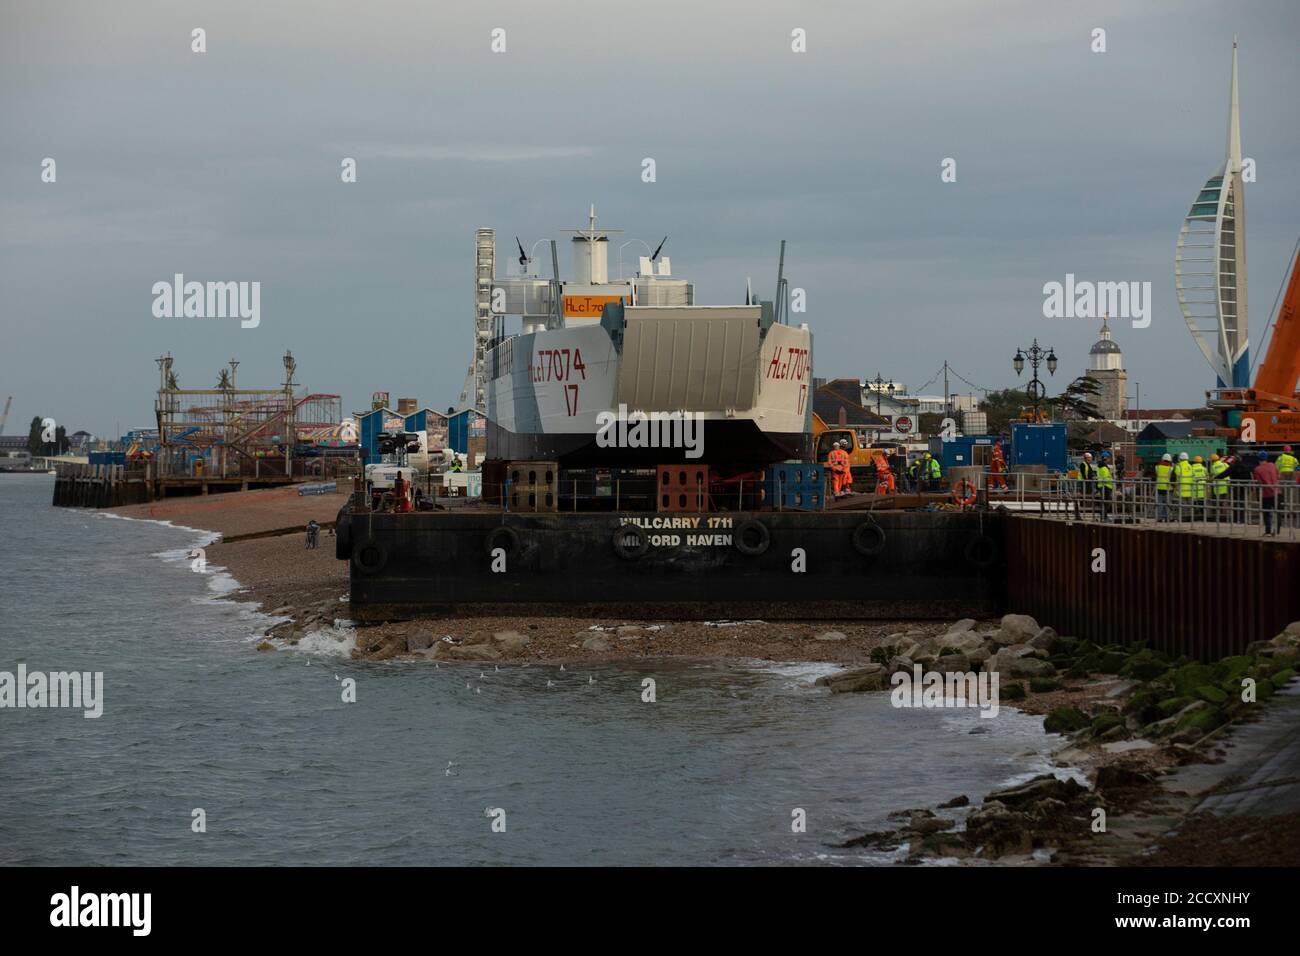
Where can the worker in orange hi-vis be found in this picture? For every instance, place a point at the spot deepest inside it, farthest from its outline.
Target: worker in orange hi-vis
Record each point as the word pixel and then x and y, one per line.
pixel 841 477
pixel 401 495
pixel 997 467
pixel 884 477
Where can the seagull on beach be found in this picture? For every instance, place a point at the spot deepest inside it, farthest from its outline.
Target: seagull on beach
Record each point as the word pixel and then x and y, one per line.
pixel 590 679
pixel 550 683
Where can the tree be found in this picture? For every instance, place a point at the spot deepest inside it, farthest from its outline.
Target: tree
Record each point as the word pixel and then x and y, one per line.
pixel 929 423
pixel 1074 401
pixel 34 436
pixel 1003 408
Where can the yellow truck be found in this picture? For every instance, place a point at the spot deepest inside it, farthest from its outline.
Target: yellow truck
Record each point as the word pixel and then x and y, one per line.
pixel 862 453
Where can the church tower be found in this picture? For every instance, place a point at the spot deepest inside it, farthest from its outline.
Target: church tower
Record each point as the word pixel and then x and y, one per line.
pixel 1106 365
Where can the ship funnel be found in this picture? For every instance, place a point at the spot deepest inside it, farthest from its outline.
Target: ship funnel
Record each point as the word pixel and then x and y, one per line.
pixel 590 259
pixel 591 252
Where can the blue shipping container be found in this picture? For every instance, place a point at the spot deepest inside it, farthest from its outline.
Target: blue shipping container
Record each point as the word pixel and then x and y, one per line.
pixel 1038 445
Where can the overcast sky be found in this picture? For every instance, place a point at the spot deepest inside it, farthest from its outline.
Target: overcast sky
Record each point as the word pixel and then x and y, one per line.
pixel 226 166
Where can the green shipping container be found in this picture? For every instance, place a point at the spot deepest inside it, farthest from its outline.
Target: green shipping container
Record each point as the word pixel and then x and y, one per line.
pixel 1149 452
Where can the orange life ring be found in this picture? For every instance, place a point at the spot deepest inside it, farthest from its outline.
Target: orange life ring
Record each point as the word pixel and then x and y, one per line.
pixel 968 498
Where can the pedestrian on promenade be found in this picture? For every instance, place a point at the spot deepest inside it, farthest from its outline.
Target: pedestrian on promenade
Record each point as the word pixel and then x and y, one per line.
pixel 1266 474
pixel 1164 484
pixel 313 529
pixel 1105 485
pixel 1087 479
pixel 1239 476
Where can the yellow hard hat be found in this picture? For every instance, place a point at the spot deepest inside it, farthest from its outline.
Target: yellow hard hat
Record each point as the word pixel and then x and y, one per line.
pixel 1197 458
pixel 1214 456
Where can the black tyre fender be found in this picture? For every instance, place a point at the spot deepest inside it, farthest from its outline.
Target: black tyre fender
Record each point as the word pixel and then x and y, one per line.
pixel 745 531
pixel 369 556
pixel 503 537
pixel 343 535
pixel 981 551
pixel 630 550
pixel 868 539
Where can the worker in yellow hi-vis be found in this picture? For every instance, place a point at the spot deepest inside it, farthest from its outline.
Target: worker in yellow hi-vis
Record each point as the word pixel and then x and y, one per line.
pixel 1218 491
pixel 1185 478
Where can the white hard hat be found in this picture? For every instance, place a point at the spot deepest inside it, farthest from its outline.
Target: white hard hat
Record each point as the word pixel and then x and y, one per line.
pixel 1182 456
pixel 1166 457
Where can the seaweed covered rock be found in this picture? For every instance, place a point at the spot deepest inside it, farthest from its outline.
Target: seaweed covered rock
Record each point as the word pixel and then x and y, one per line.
pixel 1105 722
pixel 1030 667
pixel 1211 694
pixel 1192 726
pixel 1064 720
pixel 1045 786
pixel 1144 665
pixel 1143 705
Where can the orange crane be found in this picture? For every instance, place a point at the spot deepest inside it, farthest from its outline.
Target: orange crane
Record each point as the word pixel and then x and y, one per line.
pixel 1272 406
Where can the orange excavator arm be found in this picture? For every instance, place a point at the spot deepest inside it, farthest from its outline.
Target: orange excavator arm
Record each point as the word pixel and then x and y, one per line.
pixel 1275 384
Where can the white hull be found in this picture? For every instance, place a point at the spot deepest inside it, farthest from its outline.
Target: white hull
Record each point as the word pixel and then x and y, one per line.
pixel 714 363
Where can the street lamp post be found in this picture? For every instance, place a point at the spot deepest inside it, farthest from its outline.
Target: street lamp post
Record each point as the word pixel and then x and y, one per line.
pixel 881 386
pixel 1036 356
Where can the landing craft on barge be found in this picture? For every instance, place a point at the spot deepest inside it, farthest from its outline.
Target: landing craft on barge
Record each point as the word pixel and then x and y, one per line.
pixel 572 522
pixel 598 360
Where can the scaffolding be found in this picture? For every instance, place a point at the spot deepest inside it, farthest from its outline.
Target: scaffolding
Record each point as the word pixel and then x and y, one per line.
pixel 232 432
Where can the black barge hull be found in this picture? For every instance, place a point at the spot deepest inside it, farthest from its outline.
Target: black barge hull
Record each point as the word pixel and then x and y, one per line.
pixel 737 565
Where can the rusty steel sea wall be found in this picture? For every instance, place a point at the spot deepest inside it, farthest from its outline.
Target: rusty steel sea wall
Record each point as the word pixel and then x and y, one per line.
pixel 1193 594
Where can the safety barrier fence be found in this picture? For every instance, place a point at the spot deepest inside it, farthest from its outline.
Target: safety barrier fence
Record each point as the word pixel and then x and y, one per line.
pixel 1218 506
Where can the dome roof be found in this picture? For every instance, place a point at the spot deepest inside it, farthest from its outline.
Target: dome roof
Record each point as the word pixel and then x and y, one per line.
pixel 1105 345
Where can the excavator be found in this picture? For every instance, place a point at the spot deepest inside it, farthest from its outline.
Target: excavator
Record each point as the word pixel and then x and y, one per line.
pixel 1270 411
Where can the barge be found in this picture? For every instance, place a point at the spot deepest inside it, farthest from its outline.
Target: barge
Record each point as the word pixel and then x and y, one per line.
pixel 580 515
pixel 836 564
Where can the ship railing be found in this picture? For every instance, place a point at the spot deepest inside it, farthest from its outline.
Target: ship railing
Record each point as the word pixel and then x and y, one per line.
pixel 1216 506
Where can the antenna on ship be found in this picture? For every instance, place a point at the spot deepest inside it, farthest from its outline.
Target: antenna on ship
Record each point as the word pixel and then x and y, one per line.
pixel 557 313
pixel 523 258
pixel 658 249
pixel 779 305
pixel 749 294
